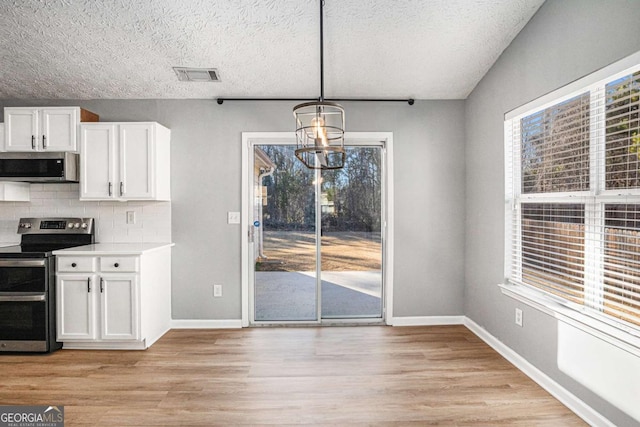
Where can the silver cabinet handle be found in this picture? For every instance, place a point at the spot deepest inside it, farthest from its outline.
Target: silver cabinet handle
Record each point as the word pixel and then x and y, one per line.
pixel 33 142
pixel 89 284
pixel 21 263
pixel 110 189
pixel 101 285
pixel 44 141
pixel 121 188
pixel 22 298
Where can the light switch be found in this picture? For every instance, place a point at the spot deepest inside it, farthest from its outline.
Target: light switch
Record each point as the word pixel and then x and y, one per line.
pixel 233 217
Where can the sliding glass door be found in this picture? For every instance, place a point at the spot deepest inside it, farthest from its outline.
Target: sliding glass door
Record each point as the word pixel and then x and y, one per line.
pixel 317 237
pixel 351 236
pixel 284 234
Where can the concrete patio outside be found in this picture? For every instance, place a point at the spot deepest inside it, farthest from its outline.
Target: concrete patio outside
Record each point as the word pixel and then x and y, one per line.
pixel 291 296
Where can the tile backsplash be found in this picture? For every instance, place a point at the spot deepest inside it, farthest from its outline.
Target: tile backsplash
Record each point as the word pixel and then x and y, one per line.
pixel 152 219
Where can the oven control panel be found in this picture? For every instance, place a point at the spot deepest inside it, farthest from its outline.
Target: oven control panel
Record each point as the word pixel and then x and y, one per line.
pixel 56 225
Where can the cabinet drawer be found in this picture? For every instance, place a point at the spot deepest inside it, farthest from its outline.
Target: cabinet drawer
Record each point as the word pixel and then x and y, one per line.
pixel 76 264
pixel 116 264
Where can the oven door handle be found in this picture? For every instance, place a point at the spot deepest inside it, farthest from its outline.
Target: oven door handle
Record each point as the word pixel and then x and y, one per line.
pixel 22 298
pixel 22 263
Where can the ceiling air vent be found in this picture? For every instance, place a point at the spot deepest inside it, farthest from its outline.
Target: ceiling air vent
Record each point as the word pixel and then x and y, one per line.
pixel 186 74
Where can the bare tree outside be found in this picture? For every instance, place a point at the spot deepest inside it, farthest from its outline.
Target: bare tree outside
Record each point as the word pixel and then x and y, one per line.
pixel 622 133
pixel 351 202
pixel 305 216
pixel 555 147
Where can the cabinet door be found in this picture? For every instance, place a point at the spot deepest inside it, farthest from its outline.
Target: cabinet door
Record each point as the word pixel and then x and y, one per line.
pixel 14 192
pixel 97 162
pixel 137 161
pixel 119 304
pixel 21 129
pixel 75 306
pixel 58 129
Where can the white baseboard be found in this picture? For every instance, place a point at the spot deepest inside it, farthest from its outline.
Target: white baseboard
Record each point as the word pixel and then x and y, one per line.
pixel 205 324
pixel 427 320
pixel 580 408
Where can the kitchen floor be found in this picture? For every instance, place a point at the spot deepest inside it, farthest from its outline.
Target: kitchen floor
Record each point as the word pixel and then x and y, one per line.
pixel 374 375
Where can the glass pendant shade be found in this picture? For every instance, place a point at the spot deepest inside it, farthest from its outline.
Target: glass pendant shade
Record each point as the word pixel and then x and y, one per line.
pixel 320 134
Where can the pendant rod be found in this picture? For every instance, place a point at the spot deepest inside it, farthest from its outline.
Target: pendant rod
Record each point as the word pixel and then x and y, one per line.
pixel 410 101
pixel 321 52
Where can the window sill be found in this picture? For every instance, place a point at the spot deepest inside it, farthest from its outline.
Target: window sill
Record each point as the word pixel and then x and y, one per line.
pixel 619 335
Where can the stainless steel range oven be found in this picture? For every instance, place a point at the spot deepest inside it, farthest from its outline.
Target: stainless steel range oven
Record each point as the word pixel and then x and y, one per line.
pixel 27 281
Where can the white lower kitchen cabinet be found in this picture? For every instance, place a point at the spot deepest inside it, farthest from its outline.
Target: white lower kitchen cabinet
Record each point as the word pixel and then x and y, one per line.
pixel 113 296
pixel 75 307
pixel 119 307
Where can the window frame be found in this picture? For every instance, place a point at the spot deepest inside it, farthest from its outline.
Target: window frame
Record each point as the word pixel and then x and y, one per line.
pixel 620 332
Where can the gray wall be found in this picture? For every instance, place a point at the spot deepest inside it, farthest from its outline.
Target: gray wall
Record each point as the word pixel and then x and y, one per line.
pixel 205 181
pixel 565 40
pixel 443 258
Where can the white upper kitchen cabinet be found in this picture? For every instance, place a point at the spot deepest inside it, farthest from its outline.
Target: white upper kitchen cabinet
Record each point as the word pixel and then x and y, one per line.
pixel 43 128
pixel 124 161
pixel 97 161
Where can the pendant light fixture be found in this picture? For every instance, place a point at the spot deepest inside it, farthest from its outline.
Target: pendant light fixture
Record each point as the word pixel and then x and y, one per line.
pixel 320 125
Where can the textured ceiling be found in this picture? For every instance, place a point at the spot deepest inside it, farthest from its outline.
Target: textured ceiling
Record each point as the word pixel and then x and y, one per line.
pixel 124 49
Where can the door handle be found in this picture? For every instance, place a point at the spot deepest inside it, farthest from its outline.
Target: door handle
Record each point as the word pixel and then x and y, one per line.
pixel 101 285
pixel 121 188
pixel 89 284
pixel 44 141
pixel 33 142
pixel 110 189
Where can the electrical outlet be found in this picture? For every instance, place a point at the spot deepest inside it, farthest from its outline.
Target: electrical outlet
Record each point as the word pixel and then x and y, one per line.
pixel 217 290
pixel 131 217
pixel 518 317
pixel 233 217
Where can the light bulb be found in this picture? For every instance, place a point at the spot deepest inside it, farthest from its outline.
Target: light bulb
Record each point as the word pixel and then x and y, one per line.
pixel 319 130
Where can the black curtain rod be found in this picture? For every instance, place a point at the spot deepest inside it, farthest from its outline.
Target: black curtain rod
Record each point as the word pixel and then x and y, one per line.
pixel 410 101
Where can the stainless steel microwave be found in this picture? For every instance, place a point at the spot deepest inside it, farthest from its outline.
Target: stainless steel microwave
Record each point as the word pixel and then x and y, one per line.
pixel 39 167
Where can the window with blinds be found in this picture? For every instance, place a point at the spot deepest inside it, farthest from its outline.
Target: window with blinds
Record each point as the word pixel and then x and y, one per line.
pixel 621 281
pixel 622 132
pixel 553 248
pixel 573 199
pixel 555 147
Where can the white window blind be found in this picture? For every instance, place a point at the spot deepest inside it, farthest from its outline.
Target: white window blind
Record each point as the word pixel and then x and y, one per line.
pixel 621 289
pixel 555 147
pixel 553 248
pixel 622 137
pixel 573 198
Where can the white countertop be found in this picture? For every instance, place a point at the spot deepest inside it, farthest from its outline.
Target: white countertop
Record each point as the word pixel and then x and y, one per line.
pixel 114 249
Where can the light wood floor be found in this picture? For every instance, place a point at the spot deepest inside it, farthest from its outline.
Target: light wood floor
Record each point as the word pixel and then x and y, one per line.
pixel 346 376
